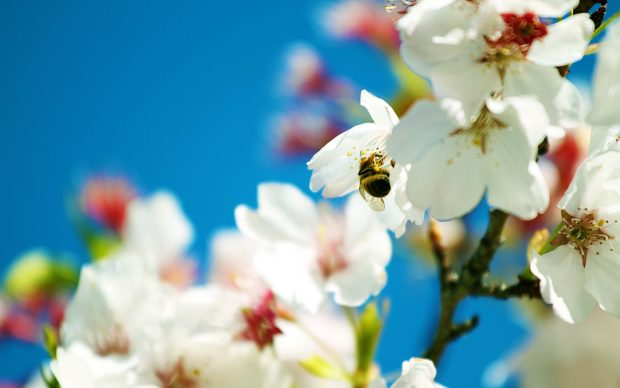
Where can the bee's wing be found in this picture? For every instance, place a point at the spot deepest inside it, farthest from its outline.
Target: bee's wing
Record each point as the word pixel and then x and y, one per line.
pixel 375 203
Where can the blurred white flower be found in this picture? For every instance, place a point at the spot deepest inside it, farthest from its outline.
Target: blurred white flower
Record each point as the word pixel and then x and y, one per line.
pixel 455 162
pixel 157 229
pixel 572 356
pixel 416 373
pixel 471 49
pixel 307 251
pixel 357 159
pixel 114 300
pixel 200 345
pixel 78 367
pixel 231 261
pixel 325 334
pixel 584 268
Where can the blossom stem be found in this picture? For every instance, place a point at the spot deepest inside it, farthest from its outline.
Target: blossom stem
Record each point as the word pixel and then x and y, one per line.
pixel 606 23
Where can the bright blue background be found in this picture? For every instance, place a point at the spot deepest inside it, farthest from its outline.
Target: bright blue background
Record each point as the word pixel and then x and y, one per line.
pixel 179 95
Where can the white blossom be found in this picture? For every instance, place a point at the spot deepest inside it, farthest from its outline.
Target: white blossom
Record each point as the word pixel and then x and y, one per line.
pixel 470 49
pixel 454 162
pixel 584 268
pixel 308 250
pixel 337 168
pixel 115 298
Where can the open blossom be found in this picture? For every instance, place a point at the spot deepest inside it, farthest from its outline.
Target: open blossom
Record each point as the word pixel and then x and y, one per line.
pixel 357 159
pixel 157 229
pixel 308 250
pixel 454 162
pixel 416 373
pixel 470 49
pixel 584 268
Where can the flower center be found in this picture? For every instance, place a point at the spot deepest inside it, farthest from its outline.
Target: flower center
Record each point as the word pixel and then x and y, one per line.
pixel 261 321
pixel 113 342
pixel 178 377
pixel 480 129
pixel 330 239
pixel 515 40
pixel 581 233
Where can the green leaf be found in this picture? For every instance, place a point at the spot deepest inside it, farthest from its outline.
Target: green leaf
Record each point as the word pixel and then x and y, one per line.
pixel 322 368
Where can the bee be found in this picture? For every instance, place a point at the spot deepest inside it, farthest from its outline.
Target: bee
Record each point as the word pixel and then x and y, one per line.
pixel 374 181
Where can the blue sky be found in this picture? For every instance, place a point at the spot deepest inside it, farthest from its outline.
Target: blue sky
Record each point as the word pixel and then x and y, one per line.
pixel 179 95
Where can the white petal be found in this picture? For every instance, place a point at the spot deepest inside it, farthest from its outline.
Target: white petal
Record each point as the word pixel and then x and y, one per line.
pixel 378 383
pixel 587 188
pixel 559 96
pixel 381 112
pixel 365 237
pixel 353 285
pixel 547 8
pixel 156 227
pixel 287 207
pixel 467 81
pixel 289 270
pixel 562 283
pixel 71 371
pixel 602 275
pixel 525 115
pixel 565 42
pixel 607 81
pixel 432 32
pixel 449 179
pixel 421 127
pixel 515 182
pixel 417 373
pixel 255 226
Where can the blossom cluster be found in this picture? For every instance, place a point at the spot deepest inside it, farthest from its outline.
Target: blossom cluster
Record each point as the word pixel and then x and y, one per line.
pixel 291 295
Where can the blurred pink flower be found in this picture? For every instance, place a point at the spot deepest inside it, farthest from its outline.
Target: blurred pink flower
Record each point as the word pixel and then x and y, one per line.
pixel 366 20
pixel 105 199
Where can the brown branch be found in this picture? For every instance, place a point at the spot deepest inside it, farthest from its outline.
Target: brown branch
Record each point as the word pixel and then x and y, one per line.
pixel 453 291
pixel 524 288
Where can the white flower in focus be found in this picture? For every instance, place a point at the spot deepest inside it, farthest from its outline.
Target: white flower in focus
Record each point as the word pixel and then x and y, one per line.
pixel 308 250
pixel 471 49
pixel 157 229
pixel 416 373
pixel 357 159
pixel 455 162
pixel 584 268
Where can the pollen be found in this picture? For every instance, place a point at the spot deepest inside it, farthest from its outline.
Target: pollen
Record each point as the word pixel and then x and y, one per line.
pixel 581 233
